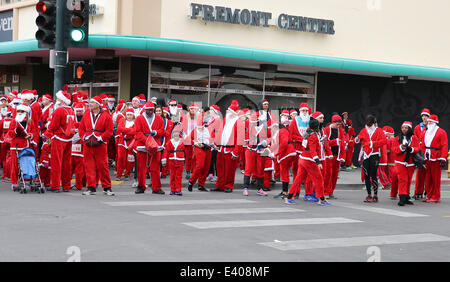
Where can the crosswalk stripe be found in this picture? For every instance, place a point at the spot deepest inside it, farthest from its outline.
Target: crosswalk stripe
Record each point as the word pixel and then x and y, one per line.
pixel 275 222
pixel 355 241
pixel 378 210
pixel 219 211
pixel 179 202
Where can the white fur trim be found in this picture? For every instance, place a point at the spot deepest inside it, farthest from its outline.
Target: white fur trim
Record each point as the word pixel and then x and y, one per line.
pixel 61 96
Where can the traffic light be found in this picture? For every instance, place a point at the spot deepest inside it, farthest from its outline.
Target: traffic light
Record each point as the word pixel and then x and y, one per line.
pixel 46 22
pixel 76 26
pixel 79 72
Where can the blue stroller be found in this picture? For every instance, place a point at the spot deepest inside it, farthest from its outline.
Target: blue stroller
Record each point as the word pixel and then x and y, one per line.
pixel 28 171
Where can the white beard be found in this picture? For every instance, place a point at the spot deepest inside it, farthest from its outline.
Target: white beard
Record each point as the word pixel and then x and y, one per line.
pixel 57 105
pixel 304 117
pixel 20 117
pixel 129 124
pixel 173 111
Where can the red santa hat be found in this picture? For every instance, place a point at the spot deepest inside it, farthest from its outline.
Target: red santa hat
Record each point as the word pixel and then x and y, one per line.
pixel 173 102
pixel 129 111
pixel 149 105
pixel 97 100
pixel 349 122
pixel 293 112
pixel 111 98
pixel 284 113
pixel 426 112
pixel 26 95
pixel 336 118
pixel 434 118
pixel 142 97
pixel 120 107
pixel 265 102
pixel 388 129
pixel 24 108
pixel 194 106
pixel 122 101
pixel 317 115
pixel 407 123
pixel 3 98
pixel 136 98
pixel 166 110
pixel 79 107
pixel 246 112
pixel 215 109
pixel 345 113
pixel 234 107
pixel 64 96
pixel 304 106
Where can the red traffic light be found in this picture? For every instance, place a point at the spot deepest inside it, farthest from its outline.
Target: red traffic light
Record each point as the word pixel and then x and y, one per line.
pixel 41 7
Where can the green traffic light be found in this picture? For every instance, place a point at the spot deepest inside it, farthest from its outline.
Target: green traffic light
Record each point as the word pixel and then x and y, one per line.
pixel 77 35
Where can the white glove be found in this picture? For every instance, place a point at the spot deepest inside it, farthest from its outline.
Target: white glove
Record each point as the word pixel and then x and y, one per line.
pixel 160 148
pixel 164 162
pixel 99 139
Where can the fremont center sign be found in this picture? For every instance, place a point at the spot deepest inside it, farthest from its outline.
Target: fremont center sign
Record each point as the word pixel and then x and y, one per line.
pixel 258 18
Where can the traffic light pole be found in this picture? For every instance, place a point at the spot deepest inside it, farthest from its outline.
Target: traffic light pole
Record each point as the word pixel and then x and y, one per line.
pixel 61 55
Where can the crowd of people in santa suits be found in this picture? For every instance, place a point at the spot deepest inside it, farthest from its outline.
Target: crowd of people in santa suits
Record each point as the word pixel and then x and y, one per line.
pixel 82 136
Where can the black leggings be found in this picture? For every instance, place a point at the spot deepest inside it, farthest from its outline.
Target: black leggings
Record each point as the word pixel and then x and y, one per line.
pixel 370 167
pixel 212 167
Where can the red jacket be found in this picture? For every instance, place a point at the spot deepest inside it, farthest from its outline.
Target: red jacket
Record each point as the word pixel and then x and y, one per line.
pixel 400 155
pixel 371 144
pixel 124 134
pixel 311 148
pixel 172 153
pixel 102 127
pixel 4 128
pixel 44 159
pixel 390 151
pixel 339 142
pixel 231 137
pixel 17 133
pixel 77 147
pixel 143 129
pixel 62 125
pixel 436 149
pixel 285 145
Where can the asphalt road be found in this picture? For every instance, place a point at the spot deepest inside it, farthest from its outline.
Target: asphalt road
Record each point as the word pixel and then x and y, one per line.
pixel 219 227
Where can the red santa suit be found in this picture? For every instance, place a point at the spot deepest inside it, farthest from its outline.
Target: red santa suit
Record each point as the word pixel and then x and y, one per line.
pixel 148 126
pixel 77 152
pixel 202 151
pixel 124 138
pixel 99 127
pixel 44 164
pixel 5 124
pixel 285 155
pixel 168 127
pixel 337 146
pixel 188 124
pixel 61 130
pixel 230 141
pixel 404 165
pixel 18 132
pixel 351 134
pixel 173 158
pixel 435 146
pixel 419 131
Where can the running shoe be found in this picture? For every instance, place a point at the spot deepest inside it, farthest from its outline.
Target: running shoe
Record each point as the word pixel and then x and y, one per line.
pixel 323 203
pixel 290 202
pixel 245 193
pixel 261 193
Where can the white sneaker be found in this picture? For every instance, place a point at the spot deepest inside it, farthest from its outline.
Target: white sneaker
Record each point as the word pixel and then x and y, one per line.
pixel 135 184
pixel 109 193
pixel 88 193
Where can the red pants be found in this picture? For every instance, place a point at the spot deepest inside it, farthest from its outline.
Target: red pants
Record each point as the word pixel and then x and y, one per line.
pixel 4 149
pixel 242 159
pixel 308 169
pixel 394 182
pixel 295 166
pixel 144 161
pixel 201 166
pixel 433 180
pixel 349 154
pixel 7 165
pixel 123 163
pixel 176 174
pixel 254 164
pixel 189 152
pixel 45 173
pixel 226 171
pixel 333 169
pixel 14 167
pixel 384 175
pixel 96 166
pixel 80 173
pixel 404 177
pixel 61 164
pixel 420 181
pixel 277 173
pixel 285 167
pixel 165 169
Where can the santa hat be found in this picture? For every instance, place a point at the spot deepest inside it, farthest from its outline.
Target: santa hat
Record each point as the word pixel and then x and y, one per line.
pixel 64 96
pixel 79 107
pixel 407 123
pixel 122 101
pixel 304 106
pixel 103 96
pixel 120 107
pixel 215 109
pixel 130 111
pixel 97 100
pixel 234 107
pixel 149 105
pixel 111 98
pixel 293 112
pixel 265 102
pixel 3 98
pixel 27 95
pixel 426 112
pixel 317 115
pixel 166 110
pixel 285 113
pixel 336 118
pixel 194 106
pixel 47 97
pixel 142 97
pixel 23 108
pixel 173 102
pixel 388 129
pixel 345 113
pixel 136 98
pixel 246 112
pixel 434 118
pixel 349 122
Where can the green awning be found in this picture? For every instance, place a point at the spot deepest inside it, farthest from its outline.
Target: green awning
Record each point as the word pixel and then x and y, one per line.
pixel 235 52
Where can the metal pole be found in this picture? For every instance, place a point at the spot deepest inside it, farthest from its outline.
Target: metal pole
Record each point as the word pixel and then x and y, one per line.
pixel 61 55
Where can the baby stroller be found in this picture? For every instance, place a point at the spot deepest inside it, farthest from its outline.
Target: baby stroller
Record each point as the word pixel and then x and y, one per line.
pixel 28 172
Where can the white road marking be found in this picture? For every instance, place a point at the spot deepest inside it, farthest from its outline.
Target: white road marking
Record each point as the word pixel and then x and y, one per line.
pixel 371 208
pixel 275 222
pixel 219 211
pixel 180 202
pixel 355 241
